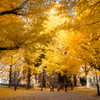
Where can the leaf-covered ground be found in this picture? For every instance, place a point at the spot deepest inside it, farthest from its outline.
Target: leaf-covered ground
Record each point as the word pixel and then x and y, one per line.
pixel 36 94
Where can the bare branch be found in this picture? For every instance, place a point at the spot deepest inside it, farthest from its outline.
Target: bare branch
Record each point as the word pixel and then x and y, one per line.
pixel 9 48
pixel 95 22
pixel 14 11
pixel 85 49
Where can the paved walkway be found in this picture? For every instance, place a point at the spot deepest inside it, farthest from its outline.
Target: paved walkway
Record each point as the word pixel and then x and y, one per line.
pixel 81 94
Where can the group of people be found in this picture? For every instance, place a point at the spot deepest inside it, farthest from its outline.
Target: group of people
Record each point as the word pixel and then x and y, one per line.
pixel 52 87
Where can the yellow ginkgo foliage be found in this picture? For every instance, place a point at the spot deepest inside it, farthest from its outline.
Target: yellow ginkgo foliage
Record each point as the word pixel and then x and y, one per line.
pixel 10 60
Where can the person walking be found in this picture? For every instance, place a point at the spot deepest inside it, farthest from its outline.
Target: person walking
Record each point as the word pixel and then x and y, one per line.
pixel 15 86
pixel 71 86
pixel 52 87
pixel 65 87
pixel 58 87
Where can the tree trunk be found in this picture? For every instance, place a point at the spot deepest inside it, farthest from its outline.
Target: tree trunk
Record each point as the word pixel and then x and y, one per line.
pixel 28 78
pixel 44 79
pixel 87 79
pixel 72 79
pixel 75 81
pixel 10 73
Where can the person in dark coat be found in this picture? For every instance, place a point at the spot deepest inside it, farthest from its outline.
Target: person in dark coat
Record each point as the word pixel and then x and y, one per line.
pixel 71 86
pixel 65 87
pixel 58 87
pixel 15 86
pixel 52 87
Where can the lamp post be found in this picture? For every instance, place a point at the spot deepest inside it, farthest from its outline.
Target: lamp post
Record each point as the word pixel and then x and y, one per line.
pixel 96 78
pixel 97 81
pixel 42 80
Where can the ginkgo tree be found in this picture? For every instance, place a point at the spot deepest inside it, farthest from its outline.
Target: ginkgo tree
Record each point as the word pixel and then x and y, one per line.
pixel 13 13
pixel 83 39
pixel 79 41
pixel 84 20
pixel 34 9
pixel 17 30
pixel 30 64
pixel 85 48
pixel 23 25
pixel 9 61
pixel 59 58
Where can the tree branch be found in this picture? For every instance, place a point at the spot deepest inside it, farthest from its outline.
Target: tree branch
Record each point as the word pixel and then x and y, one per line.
pixel 9 48
pixel 14 11
pixel 85 49
pixel 95 22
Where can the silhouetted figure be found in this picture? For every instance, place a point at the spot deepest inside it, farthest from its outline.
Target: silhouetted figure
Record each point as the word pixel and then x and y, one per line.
pixel 65 87
pixel 15 86
pixel 52 87
pixel 71 86
pixel 58 87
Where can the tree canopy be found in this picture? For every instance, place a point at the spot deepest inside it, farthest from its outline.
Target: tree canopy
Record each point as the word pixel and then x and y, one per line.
pixel 68 30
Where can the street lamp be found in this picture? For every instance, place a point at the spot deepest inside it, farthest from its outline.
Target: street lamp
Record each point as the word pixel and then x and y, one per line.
pixel 96 78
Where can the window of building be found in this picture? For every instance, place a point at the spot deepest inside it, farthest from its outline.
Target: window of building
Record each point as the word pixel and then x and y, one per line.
pixel 90 80
pixel 56 79
pixel 53 79
pixel 94 79
pixel 99 78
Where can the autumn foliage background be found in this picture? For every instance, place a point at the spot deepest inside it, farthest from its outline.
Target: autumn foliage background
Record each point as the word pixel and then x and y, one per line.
pixel 66 32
